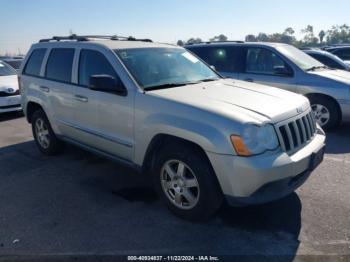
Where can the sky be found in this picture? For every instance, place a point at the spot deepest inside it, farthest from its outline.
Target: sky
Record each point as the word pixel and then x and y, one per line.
pixel 26 21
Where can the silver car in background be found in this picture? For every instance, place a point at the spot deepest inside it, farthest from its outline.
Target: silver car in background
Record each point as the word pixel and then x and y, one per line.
pixel 286 67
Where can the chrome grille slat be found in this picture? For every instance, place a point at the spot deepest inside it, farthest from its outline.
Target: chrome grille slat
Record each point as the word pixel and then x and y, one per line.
pixel 295 133
pixel 294 123
pixel 290 139
pixel 308 132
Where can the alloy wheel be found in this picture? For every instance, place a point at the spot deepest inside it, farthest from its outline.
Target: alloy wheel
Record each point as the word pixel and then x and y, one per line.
pixel 180 184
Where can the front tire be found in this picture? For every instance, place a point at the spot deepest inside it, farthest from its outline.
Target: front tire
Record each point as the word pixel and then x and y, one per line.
pixel 43 134
pixel 326 112
pixel 185 180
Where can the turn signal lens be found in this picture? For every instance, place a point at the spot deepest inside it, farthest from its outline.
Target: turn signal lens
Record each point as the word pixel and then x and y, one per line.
pixel 239 146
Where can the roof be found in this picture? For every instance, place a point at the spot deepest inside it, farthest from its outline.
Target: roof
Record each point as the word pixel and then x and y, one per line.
pixel 236 43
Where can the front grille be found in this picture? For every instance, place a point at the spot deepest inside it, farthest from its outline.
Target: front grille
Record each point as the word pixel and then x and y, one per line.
pixel 297 132
pixel 4 94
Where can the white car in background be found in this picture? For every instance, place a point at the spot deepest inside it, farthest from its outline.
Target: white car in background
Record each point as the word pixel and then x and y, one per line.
pixel 10 99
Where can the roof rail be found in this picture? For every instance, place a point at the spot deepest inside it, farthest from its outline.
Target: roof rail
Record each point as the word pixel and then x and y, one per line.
pixel 89 37
pixel 214 42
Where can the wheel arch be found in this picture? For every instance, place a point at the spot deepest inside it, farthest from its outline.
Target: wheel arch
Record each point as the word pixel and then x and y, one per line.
pixel 330 98
pixel 31 108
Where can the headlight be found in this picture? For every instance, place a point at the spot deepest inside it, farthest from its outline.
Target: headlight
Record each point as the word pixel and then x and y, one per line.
pixel 255 140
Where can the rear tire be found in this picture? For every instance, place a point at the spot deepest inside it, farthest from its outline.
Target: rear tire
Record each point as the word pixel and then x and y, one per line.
pixel 326 112
pixel 186 182
pixel 43 134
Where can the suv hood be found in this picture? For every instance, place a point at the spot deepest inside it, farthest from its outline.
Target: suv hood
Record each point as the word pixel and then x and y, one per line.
pixel 239 100
pixel 337 75
pixel 8 82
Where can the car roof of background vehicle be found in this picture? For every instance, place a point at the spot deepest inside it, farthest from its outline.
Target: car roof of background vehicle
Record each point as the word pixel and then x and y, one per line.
pixel 234 43
pixel 111 42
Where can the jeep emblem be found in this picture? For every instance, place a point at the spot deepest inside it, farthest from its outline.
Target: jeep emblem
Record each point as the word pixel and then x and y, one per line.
pixel 300 110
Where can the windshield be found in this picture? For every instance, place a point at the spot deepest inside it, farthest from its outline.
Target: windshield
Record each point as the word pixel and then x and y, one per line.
pixel 168 67
pixel 6 70
pixel 301 59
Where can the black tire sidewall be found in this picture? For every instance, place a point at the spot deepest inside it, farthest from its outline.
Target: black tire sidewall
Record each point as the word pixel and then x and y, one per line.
pixel 210 197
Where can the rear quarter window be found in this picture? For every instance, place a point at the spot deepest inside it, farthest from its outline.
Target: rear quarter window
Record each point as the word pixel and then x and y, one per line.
pixel 34 63
pixel 59 64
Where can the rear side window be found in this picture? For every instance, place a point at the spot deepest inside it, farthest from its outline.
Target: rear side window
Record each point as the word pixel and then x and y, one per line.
pixel 59 64
pixel 225 59
pixel 34 63
pixel 93 63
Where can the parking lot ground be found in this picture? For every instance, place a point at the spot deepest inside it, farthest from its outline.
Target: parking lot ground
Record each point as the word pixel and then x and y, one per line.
pixel 78 203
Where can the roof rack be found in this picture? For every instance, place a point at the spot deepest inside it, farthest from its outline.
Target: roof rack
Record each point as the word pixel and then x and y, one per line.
pixel 89 37
pixel 214 42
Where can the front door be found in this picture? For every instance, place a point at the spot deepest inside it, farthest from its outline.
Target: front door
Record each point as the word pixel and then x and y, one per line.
pixel 105 119
pixel 263 66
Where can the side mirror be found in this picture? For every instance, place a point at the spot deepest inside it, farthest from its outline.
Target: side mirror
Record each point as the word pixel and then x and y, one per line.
pixel 281 71
pixel 213 67
pixel 107 83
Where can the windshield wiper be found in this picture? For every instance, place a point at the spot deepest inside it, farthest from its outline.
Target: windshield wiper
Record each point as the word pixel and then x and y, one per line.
pixel 163 86
pixel 208 80
pixel 315 68
pixel 171 85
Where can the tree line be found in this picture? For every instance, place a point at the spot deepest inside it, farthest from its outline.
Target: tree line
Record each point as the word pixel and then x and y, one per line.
pixel 337 34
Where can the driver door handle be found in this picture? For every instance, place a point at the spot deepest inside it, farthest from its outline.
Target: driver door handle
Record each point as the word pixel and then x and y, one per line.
pixel 81 98
pixel 249 79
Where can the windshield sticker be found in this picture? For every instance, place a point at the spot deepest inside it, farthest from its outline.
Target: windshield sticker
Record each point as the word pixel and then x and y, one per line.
pixel 190 57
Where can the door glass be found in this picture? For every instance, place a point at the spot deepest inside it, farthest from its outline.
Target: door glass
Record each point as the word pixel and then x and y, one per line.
pixel 93 63
pixel 59 64
pixel 263 61
pixel 225 59
pixel 35 60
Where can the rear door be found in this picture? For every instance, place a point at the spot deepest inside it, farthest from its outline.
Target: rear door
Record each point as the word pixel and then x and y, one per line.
pixel 58 87
pixel 266 67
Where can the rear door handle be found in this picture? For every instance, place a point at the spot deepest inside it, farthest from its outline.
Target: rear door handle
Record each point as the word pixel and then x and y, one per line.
pixel 249 79
pixel 45 89
pixel 81 98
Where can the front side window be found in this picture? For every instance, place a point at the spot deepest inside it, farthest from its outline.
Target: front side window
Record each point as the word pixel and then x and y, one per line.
pixel 263 61
pixel 6 70
pixel 154 67
pixel 93 63
pixel 59 64
pixel 34 63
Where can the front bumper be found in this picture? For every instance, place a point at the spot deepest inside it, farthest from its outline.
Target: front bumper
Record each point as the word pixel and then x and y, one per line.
pixel 266 177
pixel 10 103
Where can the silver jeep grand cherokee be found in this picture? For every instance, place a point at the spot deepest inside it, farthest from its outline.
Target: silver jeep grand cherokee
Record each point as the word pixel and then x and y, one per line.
pixel 159 109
